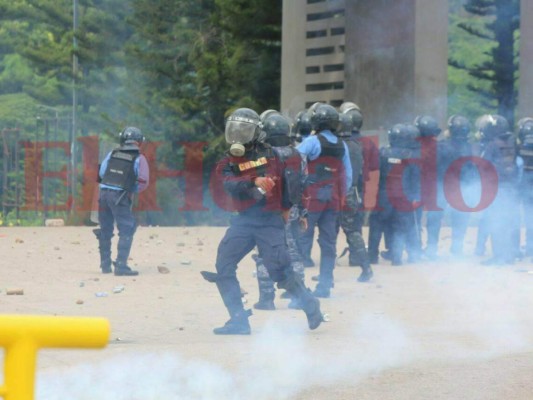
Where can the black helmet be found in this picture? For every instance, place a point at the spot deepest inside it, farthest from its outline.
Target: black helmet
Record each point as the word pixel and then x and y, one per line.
pixel 267 113
pixel 243 127
pixel 403 135
pixel 345 125
pixel 130 135
pixel 492 126
pixel 357 118
pixel 428 126
pixel 525 131
pixel 276 128
pixel 325 117
pixel 459 127
pixel 302 124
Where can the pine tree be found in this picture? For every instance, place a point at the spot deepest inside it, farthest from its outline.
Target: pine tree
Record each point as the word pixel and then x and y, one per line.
pixel 499 69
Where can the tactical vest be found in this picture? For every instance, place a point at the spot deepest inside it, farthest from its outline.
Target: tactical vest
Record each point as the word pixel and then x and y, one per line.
pixel 120 170
pixel 293 172
pixel 391 174
pixel 356 157
pixel 328 164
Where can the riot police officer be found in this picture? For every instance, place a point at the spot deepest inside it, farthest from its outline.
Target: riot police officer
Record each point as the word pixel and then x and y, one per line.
pixel 348 223
pixel 502 214
pixel 454 147
pixel 370 156
pixel 302 126
pixel 330 173
pixel 251 177
pixel 122 173
pixel 431 154
pixel 276 129
pixel 397 193
pixel 489 127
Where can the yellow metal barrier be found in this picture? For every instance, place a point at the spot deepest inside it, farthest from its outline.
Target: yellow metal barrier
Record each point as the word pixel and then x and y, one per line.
pixel 23 336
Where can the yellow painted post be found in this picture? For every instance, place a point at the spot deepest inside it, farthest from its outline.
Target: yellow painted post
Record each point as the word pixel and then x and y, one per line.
pixel 23 336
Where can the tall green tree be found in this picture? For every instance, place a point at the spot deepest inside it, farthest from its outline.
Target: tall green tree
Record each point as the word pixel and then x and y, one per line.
pixel 494 76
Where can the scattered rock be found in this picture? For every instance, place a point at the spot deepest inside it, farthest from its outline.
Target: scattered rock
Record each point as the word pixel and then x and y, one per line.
pixel 185 262
pixel 118 289
pixel 163 270
pixel 101 294
pixel 199 242
pixel 79 302
pixel 186 232
pixel 57 248
pixel 82 284
pixel 18 240
pixel 54 222
pixel 16 292
pixel 181 244
pixel 75 242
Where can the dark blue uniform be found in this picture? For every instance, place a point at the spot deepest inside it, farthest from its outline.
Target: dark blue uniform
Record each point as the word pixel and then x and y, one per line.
pixel 258 222
pixel 330 173
pixel 397 190
pixel 123 172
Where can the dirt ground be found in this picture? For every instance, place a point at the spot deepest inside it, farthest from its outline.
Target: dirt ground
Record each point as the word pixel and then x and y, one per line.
pixel 436 330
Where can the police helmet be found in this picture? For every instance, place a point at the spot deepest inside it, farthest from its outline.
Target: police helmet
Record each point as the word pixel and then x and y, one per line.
pixel 325 117
pixel 267 113
pixel 276 128
pixel 492 126
pixel 347 106
pixel 403 135
pixel 525 131
pixel 243 127
pixel 346 125
pixel 427 125
pixel 459 127
pixel 131 135
pixel 357 118
pixel 302 124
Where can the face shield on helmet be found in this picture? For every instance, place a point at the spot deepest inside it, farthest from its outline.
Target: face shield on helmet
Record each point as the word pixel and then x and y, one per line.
pixel 242 128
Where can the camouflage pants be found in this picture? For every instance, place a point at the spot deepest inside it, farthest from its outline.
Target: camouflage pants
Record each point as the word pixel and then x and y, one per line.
pixel 292 228
pixel 349 223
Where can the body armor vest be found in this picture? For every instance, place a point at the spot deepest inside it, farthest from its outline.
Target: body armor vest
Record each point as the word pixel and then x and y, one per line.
pixel 506 162
pixel 356 158
pixel 120 170
pixel 526 152
pixel 293 173
pixel 391 175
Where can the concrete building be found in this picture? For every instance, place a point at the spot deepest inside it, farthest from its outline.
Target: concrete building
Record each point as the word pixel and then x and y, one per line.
pixel 388 56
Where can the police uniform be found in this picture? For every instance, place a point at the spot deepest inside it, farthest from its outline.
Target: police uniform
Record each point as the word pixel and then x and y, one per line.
pixel 123 172
pixel 330 173
pixel 258 221
pixel 502 214
pixel 295 173
pixel 349 214
pixel 396 193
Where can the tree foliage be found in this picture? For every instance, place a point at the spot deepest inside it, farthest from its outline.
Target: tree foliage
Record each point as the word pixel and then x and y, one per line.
pixel 493 73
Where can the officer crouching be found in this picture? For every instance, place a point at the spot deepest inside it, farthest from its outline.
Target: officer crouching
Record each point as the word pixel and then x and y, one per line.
pixel 251 176
pixel 123 172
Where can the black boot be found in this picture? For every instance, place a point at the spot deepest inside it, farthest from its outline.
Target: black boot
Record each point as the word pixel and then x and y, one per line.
pixel 124 270
pixel 322 291
pixel 104 247
pixel 266 301
pixel 237 325
pixel 121 265
pixel 366 275
pixel 310 305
